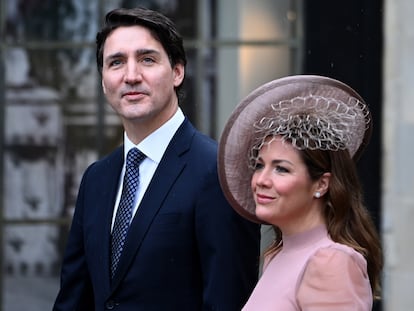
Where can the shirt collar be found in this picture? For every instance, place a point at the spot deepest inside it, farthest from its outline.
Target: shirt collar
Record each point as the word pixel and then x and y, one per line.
pixel 162 136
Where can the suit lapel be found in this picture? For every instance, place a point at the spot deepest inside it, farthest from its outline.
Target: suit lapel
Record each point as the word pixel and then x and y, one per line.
pixel 163 180
pixel 112 166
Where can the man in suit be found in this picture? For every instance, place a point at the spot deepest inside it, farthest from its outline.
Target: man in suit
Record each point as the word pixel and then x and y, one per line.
pixel 185 248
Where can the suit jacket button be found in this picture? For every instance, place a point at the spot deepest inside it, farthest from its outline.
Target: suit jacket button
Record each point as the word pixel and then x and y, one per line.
pixel 110 304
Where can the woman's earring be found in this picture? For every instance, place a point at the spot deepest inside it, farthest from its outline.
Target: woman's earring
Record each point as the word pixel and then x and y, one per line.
pixel 317 194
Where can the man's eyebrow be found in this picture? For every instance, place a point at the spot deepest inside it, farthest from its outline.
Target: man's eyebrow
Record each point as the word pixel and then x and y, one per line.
pixel 114 55
pixel 137 52
pixel 146 51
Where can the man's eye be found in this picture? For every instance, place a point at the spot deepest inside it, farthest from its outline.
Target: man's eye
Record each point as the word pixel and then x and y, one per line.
pixel 148 60
pixel 115 62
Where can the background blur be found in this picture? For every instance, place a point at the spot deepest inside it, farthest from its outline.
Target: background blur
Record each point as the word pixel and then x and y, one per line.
pixel 54 120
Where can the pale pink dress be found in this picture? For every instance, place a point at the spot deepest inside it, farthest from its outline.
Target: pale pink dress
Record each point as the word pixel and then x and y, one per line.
pixel 313 273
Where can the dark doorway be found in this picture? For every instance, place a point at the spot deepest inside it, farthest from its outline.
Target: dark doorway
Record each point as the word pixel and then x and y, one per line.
pixel 343 40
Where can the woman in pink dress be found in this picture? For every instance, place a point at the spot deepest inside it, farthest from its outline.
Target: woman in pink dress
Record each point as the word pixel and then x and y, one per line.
pixel 287 158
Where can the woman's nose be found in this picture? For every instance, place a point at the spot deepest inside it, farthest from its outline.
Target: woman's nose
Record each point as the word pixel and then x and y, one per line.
pixel 262 178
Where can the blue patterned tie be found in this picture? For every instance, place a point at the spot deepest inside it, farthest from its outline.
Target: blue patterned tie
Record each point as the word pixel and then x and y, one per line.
pixel 126 203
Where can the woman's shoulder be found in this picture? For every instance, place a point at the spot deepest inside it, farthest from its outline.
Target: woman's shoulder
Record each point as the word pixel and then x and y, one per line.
pixel 336 274
pixel 337 255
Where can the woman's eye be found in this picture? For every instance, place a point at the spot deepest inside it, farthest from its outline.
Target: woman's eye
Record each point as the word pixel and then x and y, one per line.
pixel 257 166
pixel 281 169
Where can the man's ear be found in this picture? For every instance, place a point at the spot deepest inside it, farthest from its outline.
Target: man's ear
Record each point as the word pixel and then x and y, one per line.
pixel 103 87
pixel 179 72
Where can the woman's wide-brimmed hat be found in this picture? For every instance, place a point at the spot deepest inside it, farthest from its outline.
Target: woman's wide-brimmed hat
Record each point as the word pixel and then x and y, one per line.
pixel 309 111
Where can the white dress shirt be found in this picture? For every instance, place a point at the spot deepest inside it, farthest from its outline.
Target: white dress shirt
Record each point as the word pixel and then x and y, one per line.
pixel 154 153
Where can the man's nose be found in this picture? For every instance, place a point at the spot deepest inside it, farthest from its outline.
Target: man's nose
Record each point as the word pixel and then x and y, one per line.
pixel 132 73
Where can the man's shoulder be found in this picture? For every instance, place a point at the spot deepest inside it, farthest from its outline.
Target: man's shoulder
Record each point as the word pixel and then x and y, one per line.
pixel 195 139
pixel 113 159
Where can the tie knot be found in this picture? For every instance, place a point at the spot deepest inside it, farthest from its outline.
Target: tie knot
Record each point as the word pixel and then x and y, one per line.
pixel 134 157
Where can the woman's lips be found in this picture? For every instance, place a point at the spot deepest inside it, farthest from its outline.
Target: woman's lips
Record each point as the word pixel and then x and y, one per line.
pixel 263 199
